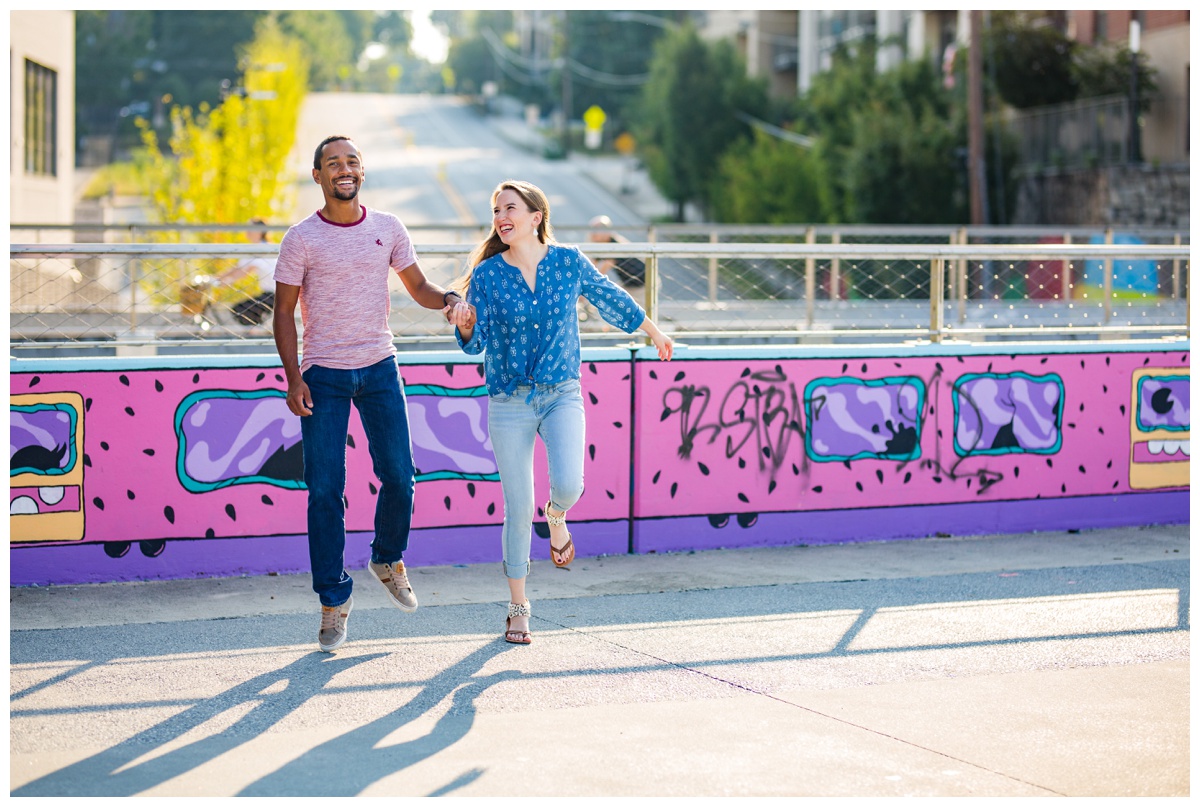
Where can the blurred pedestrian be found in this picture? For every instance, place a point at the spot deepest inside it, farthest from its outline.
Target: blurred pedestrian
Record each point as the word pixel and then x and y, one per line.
pixel 336 264
pixel 259 305
pixel 521 288
pixel 628 272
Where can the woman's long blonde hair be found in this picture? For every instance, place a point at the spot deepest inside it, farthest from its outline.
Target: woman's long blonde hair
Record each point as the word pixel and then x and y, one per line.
pixel 492 245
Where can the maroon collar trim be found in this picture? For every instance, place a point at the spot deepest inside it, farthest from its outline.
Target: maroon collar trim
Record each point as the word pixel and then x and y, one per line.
pixel 351 224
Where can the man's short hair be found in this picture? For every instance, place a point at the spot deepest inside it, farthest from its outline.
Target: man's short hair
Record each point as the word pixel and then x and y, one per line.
pixel 601 221
pixel 321 148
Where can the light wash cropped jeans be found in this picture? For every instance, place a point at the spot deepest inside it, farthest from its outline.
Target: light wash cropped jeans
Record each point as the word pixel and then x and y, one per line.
pixel 555 412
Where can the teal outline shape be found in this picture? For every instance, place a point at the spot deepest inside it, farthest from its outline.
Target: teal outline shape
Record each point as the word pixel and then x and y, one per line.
pixel 889 381
pixel 191 485
pixel 1137 419
pixel 1062 400
pixel 72 456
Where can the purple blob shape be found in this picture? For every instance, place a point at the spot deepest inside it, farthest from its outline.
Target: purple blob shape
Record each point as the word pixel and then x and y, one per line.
pixel 852 419
pixel 230 438
pixel 48 429
pixel 1008 412
pixel 450 436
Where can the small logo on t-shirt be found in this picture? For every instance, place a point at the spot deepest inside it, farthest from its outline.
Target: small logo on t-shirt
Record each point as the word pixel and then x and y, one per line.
pixel 377 241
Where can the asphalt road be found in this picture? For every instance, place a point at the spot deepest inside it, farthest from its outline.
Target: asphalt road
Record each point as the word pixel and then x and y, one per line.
pixel 1034 665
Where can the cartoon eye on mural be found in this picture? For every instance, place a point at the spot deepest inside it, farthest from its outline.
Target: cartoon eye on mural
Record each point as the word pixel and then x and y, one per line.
pixel 1007 413
pixel 852 419
pixel 450 434
pixel 1160 432
pixel 46 467
pixel 237 438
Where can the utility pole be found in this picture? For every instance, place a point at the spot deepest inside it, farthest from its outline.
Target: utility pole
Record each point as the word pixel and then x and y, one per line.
pixel 976 174
pixel 566 87
pixel 1135 45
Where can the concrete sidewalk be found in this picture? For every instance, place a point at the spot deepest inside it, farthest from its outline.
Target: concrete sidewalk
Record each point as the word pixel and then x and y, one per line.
pixel 1041 664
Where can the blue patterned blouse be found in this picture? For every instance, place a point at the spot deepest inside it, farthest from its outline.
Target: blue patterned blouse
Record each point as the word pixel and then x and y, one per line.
pixel 533 338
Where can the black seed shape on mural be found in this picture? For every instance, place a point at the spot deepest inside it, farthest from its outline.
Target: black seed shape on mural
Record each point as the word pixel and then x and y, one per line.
pixel 259 377
pixel 625 377
pixel 149 452
pixel 907 477
pixel 1082 470
pixel 896 363
pixel 657 474
pixel 210 533
pixel 1049 462
pixel 104 444
pixel 33 382
pixel 196 378
pixel 859 486
pixel 1107 360
pixel 471 489
pixel 1016 471
pixel 479 370
pixel 491 508
pixel 746 372
pixel 169 513
pixel 1070 425
pixel 446 501
pixel 610 495
pixel 129 411
pixel 1064 487
pixel 131 495
pixel 795 469
pixel 87 461
pixel 1081 407
pixel 1146 360
pixel 592 451
pixel 279 378
pixel 937 479
pixel 666 414
pixel 771 487
pixel 345 501
pixel 124 379
pixel 87 405
pixel 767 452
pixel 98 502
pixel 680 375
pixel 231 512
pixel 158 387
pixel 844 366
pixel 879 476
pixel 592 397
pixel 350 440
pixel 989 369
pixel 371 487
pixel 703 468
pixel 1122 409
pixel 449 369
pixel 654 375
pixel 1101 429
pixel 617 424
pixel 592 368
pixel 818 489
pixel 674 487
pixel 742 496
pixel 847 464
pixel 938 365
pixel 741 463
pixel 267 500
pixel 1115 484
pixel 1045 359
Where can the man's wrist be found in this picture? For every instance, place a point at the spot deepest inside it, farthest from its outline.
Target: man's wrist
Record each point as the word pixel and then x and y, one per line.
pixel 447 294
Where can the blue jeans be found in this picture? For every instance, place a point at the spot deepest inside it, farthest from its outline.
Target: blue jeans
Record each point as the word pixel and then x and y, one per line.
pixel 378 394
pixel 514 422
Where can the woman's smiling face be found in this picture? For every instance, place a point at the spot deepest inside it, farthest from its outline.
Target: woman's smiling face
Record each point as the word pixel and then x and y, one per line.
pixel 512 218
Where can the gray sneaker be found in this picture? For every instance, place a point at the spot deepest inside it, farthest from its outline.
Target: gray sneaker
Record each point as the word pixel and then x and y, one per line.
pixel 395 580
pixel 333 625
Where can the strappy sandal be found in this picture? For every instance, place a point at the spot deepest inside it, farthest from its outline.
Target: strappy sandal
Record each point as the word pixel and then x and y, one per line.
pixel 567 551
pixel 517 636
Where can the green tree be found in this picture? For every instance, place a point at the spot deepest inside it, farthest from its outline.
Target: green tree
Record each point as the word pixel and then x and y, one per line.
pixel 1033 60
pixel 689 114
pixel 771 181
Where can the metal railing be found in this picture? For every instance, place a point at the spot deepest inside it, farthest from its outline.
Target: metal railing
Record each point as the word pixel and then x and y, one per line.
pixel 160 295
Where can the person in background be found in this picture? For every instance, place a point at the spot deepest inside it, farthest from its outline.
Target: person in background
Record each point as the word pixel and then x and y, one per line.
pixel 629 273
pixel 258 307
pixel 336 265
pixel 521 288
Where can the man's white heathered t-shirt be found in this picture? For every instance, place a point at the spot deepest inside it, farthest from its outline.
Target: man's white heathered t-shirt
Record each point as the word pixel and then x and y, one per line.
pixel 342 271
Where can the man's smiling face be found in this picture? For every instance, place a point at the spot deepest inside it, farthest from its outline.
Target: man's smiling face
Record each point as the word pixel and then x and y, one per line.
pixel 341 173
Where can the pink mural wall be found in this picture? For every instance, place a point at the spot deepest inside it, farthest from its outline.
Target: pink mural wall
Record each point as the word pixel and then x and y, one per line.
pixel 197 462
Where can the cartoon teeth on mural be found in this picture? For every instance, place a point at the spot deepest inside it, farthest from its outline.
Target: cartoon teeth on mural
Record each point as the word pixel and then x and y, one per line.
pixel 1160 429
pixel 45 452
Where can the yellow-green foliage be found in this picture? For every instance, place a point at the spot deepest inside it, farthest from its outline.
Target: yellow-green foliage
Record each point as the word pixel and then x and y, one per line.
pixel 228 164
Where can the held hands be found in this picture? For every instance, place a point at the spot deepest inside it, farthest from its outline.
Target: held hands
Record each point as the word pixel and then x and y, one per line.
pixel 461 315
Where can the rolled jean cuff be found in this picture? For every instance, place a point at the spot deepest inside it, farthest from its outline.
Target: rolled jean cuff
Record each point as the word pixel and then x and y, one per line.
pixel 515 571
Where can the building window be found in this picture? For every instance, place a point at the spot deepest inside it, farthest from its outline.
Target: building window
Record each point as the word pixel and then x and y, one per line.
pixel 41 120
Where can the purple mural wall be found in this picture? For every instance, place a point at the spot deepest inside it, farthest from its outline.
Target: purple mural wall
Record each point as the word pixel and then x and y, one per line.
pixel 126 469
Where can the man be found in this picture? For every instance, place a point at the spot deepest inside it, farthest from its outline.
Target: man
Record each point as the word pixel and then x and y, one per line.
pixel 336 264
pixel 254 309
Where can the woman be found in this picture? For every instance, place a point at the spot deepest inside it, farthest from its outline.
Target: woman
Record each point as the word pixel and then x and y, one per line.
pixel 521 288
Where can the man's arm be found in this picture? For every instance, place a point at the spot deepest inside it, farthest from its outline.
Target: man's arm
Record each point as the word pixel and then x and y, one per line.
pixel 426 293
pixel 299 399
